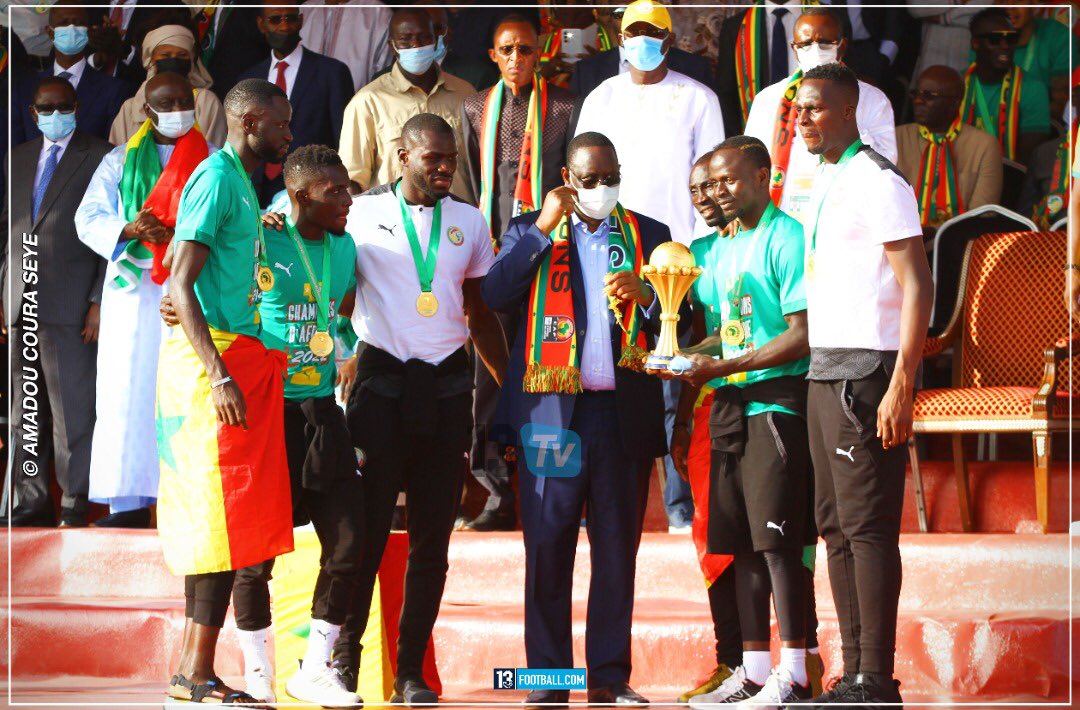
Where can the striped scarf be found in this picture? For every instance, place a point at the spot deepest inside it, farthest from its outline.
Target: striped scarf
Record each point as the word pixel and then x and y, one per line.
pixel 145 185
pixel 1005 121
pixel 750 56
pixel 527 191
pixel 938 188
pixel 1057 193
pixel 552 358
pixel 783 137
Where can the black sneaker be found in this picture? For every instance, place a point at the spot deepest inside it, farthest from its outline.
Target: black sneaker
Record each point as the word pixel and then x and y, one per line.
pixel 348 672
pixel 871 688
pixel 837 689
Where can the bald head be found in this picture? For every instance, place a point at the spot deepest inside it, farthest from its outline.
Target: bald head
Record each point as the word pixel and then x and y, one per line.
pixel 405 19
pixel 935 102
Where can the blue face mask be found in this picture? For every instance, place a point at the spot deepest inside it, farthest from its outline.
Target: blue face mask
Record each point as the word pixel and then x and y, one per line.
pixel 70 39
pixel 643 52
pixel 418 60
pixel 57 125
pixel 440 49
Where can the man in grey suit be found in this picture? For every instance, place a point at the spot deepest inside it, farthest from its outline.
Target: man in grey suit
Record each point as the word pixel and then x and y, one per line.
pixel 51 293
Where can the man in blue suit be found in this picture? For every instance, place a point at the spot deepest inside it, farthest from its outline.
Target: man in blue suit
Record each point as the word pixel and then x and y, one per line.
pixel 318 87
pixel 100 96
pixel 587 422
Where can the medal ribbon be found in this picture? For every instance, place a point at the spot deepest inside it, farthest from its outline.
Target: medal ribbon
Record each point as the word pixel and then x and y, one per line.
pixel 1005 123
pixel 321 289
pixel 750 48
pixel 783 137
pixel 848 155
pixel 938 188
pixel 425 265
pixel 231 152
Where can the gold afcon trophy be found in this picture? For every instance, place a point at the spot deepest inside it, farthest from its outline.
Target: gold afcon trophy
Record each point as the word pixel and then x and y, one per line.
pixel 671 271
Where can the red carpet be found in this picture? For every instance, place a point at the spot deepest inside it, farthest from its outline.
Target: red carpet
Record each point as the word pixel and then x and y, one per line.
pixel 983 617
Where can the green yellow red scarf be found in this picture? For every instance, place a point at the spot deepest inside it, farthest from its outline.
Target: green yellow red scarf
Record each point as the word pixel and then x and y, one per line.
pixel 1007 126
pixel 938 188
pixel 1057 194
pixel 552 359
pixel 783 137
pixel 751 48
pixel 145 185
pixel 527 191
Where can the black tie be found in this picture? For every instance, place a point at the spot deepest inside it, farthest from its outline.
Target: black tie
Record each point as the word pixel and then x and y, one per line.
pixel 778 48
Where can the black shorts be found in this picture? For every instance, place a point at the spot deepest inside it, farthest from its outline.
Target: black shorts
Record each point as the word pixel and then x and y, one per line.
pixel 761 500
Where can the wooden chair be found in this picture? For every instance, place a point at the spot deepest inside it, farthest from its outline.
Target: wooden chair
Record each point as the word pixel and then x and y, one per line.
pixel 1008 312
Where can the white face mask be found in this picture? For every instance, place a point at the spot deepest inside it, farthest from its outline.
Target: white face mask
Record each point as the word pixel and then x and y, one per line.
pixel 815 55
pixel 1070 114
pixel 598 202
pixel 173 124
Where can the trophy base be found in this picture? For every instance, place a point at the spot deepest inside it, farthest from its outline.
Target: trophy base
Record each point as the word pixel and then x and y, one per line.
pixel 658 362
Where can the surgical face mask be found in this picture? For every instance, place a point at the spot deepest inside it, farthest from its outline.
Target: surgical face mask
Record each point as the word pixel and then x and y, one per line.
pixel 643 52
pixel 56 125
pixel 598 202
pixel 173 124
pixel 70 39
pixel 815 55
pixel 440 49
pixel 173 64
pixel 284 42
pixel 417 60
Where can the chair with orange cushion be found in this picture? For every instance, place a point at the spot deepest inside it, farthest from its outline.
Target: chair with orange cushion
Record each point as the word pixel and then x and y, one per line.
pixel 1011 364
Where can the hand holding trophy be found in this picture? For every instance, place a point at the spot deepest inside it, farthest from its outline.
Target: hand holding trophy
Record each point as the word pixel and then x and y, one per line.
pixel 671 271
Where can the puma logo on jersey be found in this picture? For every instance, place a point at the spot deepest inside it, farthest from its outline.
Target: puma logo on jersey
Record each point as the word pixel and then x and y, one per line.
pixel 779 528
pixel 388 229
pixel 286 269
pixel 848 453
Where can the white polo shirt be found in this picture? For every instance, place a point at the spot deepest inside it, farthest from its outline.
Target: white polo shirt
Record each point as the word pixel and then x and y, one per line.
pixel 853 298
pixel 387 283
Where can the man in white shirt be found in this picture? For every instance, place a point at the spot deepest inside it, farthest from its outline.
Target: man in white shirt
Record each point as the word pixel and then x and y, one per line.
pixel 318 87
pixel 356 32
pixel 659 120
pixel 420 256
pixel 869 292
pixel 818 39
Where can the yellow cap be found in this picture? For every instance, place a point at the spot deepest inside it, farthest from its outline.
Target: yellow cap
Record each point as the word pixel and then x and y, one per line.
pixel 646 11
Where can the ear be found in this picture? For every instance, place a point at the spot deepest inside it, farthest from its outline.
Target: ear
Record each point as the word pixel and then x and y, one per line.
pixel 260 23
pixel 247 122
pixel 301 22
pixel 146 109
pixel 841 49
pixel 50 31
pixel 565 176
pixel 403 156
pixel 620 39
pixel 493 56
pixel 669 42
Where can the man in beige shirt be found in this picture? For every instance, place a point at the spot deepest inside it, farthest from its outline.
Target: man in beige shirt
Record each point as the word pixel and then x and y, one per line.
pixel 371 130
pixel 940 139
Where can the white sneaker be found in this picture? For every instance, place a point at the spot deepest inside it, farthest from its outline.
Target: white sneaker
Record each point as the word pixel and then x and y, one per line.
pixel 260 684
pixel 736 688
pixel 321 686
pixel 779 690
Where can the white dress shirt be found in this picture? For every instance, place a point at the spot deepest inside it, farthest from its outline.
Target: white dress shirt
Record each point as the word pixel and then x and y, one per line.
pixel 75 70
pixel 793 12
pixel 597 368
pixel 292 66
pixel 46 145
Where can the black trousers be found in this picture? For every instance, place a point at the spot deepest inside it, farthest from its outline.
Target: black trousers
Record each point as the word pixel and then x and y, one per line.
pixel 859 499
pixel 489 467
pixel 336 516
pixel 429 466
pixel 206 597
pixel 725 617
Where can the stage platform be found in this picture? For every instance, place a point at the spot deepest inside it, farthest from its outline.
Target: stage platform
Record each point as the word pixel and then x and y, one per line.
pixel 96 617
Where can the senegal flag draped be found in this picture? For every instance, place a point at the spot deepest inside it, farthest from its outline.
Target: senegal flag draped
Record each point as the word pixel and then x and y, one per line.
pixel 145 185
pixel 224 500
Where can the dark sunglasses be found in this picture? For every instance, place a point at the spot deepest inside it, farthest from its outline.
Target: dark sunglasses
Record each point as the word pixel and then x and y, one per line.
pixel 918 95
pixel 1008 37
pixel 278 19
pixel 524 50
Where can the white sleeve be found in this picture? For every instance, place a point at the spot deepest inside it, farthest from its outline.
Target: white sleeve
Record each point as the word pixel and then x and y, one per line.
pixel 877 125
pixel 99 220
pixel 891 208
pixel 586 122
pixel 483 252
pixel 710 130
pixel 759 122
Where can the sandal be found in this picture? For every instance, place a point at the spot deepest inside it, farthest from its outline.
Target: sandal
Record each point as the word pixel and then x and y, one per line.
pixel 208 693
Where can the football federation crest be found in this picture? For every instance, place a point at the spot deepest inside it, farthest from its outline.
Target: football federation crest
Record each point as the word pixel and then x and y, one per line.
pixel 558 329
pixel 456 236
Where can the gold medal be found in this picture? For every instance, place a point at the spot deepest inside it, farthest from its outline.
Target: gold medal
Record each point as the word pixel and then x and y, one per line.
pixel 426 304
pixel 732 334
pixel 321 344
pixel 266 278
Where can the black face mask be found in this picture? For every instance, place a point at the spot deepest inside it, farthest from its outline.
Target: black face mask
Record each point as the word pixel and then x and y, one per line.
pixel 284 42
pixel 180 66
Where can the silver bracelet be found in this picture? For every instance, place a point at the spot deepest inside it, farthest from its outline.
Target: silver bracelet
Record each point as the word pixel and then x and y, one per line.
pixel 218 383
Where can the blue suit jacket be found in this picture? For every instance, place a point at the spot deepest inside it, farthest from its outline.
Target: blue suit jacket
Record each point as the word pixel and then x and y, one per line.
pixel 639 397
pixel 100 98
pixel 322 88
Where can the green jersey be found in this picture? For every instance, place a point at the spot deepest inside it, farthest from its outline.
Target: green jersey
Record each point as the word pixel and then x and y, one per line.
pixel 289 310
pixel 753 280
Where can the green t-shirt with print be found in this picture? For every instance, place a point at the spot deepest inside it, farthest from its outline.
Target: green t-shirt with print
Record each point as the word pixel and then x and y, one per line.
pixel 289 309
pixel 761 269
pixel 1034 105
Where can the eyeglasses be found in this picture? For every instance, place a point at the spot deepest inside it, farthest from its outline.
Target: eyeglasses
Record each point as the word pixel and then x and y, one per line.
pixel 919 95
pixel 592 181
pixel 525 50
pixel 646 30
pixel 997 37
pixel 50 110
pixel 291 18
pixel 823 43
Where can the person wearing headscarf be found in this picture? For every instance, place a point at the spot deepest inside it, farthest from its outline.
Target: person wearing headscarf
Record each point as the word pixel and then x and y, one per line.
pixel 172 48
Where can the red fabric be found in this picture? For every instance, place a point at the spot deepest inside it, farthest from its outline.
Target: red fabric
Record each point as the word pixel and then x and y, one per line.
pixel 164 200
pixel 272 170
pixel 983 403
pixel 254 472
pixel 697 462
